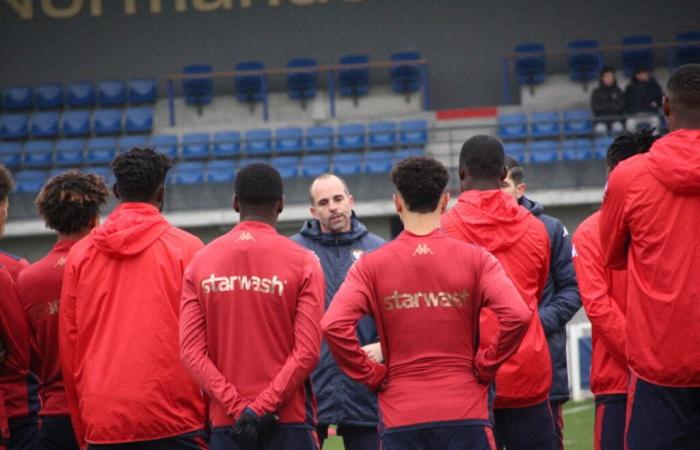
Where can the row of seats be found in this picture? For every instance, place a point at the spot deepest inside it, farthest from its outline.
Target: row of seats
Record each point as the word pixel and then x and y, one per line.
pixel 81 94
pixel 52 124
pixel 547 151
pixel 545 124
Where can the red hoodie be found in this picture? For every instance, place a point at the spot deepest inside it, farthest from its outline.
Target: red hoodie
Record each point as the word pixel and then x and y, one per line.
pixel 13 264
pixel 520 242
pixel 118 330
pixel 604 295
pixel 649 224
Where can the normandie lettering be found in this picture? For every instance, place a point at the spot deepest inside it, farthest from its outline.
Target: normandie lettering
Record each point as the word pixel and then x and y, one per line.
pixel 244 283
pixel 428 299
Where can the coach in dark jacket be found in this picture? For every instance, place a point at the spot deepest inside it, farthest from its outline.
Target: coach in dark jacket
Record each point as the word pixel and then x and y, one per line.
pixel 338 238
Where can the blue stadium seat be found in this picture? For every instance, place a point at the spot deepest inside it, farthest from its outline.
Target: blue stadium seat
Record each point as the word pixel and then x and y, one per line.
pixel 101 150
pixel 107 122
pixel 578 122
pixel 30 181
pixel 685 53
pixel 188 173
pixel 515 150
pixel 378 162
pixel 17 98
pixel 80 94
pixel 302 84
pixel 10 154
pixel 404 153
pixel 76 123
pixel 45 124
pixel 289 140
pixel 246 161
pixel 347 163
pixel 577 149
pixel 49 96
pixel 195 145
pixel 382 134
pixel 404 75
pixel 69 152
pixel 111 93
pixel 102 171
pixel 38 153
pixel 165 144
pixel 512 126
pixel 413 132
pixel 198 91
pixel 530 64
pixel 543 151
pixel 634 56
pixel 142 91
pixel 351 136
pixel 287 166
pixel 600 146
pixel 126 143
pixel 226 143
pixel 249 88
pixel 319 138
pixel 544 124
pixel 14 126
pixel 58 171
pixel 258 142
pixel 314 165
pixel 585 61
pixel 221 171
pixel 353 82
pixel 138 120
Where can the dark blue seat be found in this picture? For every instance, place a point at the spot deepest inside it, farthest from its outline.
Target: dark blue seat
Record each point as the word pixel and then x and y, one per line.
pixel 221 171
pixel 69 152
pixel 188 173
pixel 165 144
pixel 353 82
pixel 142 91
pixel 404 153
pixel 544 151
pixel 30 181
pixel 351 136
pixel 413 132
pixel 198 91
pixel 585 61
pixel 76 123
pixel 404 75
pixel 301 84
pixel 107 122
pixel 38 153
pixel 347 163
pixel 126 143
pixel 287 166
pixel 111 93
pixel 138 120
pixel 686 53
pixel 195 145
pixel 544 124
pixel 378 162
pixel 48 96
pixel 578 122
pixel 249 88
pixel 382 134
pixel 600 146
pixel 635 56
pixel 80 94
pixel 101 150
pixel 530 64
pixel 226 143
pixel 10 154
pixel 512 126
pixel 319 139
pixel 258 142
pixel 314 165
pixel 14 126
pixel 289 140
pixel 515 150
pixel 577 149
pixel 247 161
pixel 17 98
pixel 102 171
pixel 45 124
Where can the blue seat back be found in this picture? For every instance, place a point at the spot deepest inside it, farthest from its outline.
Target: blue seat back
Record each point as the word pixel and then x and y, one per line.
pixel 10 154
pixel 14 126
pixel 585 61
pixel 287 166
pixel 38 153
pixel 577 149
pixel 80 94
pixel 103 172
pixel 353 81
pixel 198 91
pixel 139 120
pixel 226 143
pixel 76 123
pixel 634 56
pixel 314 165
pixel 126 143
pixel 289 140
pixel 165 144
pixel 107 122
pixel 302 83
pixel 544 151
pixel 530 63
pixel 70 151
pixel 111 93
pixel 195 145
pixel 404 75
pixel 48 96
pixel 319 138
pixel 258 141
pixel 515 150
pixel 17 98
pixel 101 150
pixel 600 146
pixel 142 90
pixel 30 181
pixel 378 161
pixel 187 173
pixel 45 124
pixel 544 124
pixel 249 88
pixel 404 153
pixel 221 171
pixel 578 121
pixel 351 136
pixel 347 163
pixel 413 132
pixel 685 52
pixel 382 134
pixel 512 126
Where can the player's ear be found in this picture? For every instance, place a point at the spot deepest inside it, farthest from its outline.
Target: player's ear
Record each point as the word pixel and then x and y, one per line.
pixel 462 173
pixel 522 187
pixel 236 204
pixel 115 189
pixel 504 173
pixel 280 205
pixel 397 204
pixel 444 201
pixel 666 104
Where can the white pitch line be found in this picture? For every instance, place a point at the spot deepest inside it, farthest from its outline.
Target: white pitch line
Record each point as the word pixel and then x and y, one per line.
pixel 576 409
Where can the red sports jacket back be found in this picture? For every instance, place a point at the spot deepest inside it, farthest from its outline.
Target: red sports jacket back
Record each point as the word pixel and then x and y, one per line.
pixel 649 224
pixel 520 242
pixel 119 330
pixel 604 295
pixel 13 264
pixel 250 335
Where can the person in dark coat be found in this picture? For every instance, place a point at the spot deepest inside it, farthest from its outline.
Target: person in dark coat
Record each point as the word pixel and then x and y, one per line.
pixel 608 103
pixel 560 298
pixel 643 97
pixel 339 239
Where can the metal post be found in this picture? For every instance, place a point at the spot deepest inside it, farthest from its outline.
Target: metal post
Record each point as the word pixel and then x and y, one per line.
pixel 506 81
pixel 266 112
pixel 423 69
pixel 331 93
pixel 171 101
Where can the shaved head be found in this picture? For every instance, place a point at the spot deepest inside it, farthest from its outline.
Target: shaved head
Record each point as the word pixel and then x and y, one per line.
pixel 331 203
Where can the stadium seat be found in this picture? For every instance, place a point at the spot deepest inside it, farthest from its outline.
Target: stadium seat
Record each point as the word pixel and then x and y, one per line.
pixel 600 146
pixel 413 132
pixel 45 124
pixel 289 140
pixel 543 151
pixel 38 153
pixel 246 161
pixel 515 150
pixel 48 96
pixel 17 98
pixel 226 143
pixel 319 139
pixel 347 163
pixel 686 53
pixel 220 171
pixel 634 56
pixel 111 93
pixel 188 173
pixel 30 181
pixel 10 154
pixel 249 88
pixel 530 64
pixel 195 145
pixel 287 166
pixel 351 136
pixel 512 126
pixel 126 143
pixel 198 91
pixel 165 144
pixel 80 94
pixel 107 122
pixel 577 149
pixel 104 172
pixel 302 83
pixel 544 124
pixel 258 142
pixel 69 152
pixel 14 126
pixel 314 165
pixel 585 61
pixel 353 82
pixel 142 91
pixel 101 150
pixel 76 123
pixel 378 162
pixel 578 122
pixel 139 120
pixel 404 153
pixel 404 76
pixel 382 134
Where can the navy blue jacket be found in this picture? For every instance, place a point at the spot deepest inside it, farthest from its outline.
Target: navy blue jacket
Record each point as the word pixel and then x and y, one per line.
pixel 340 399
pixel 560 298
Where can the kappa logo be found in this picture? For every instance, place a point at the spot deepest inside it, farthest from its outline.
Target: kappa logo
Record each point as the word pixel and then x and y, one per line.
pixel 61 262
pixel 356 254
pixel 422 249
pixel 573 251
pixel 245 236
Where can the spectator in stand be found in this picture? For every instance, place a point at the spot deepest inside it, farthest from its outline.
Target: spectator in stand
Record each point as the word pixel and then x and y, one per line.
pixel 643 100
pixel 608 103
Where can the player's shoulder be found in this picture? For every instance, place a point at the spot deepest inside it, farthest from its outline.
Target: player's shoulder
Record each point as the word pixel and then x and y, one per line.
pixel 181 237
pixel 371 241
pixel 589 227
pixel 630 170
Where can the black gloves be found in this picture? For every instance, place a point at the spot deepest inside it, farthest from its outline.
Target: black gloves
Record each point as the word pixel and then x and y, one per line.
pixel 250 429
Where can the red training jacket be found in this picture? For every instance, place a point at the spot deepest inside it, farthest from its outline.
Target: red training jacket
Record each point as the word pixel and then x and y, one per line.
pixel 520 242
pixel 649 224
pixel 118 330
pixel 425 294
pixel 604 295
pixel 13 264
pixel 249 327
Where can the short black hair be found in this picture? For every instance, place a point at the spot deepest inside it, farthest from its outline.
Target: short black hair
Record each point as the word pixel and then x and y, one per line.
pixel 515 170
pixel 258 184
pixel 483 157
pixel 627 145
pixel 684 87
pixel 6 183
pixel 139 173
pixel 606 69
pixel 420 181
pixel 70 201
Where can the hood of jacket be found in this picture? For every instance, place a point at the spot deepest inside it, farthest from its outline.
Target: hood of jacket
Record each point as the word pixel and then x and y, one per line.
pixel 674 161
pixel 311 229
pixel 129 230
pixel 535 208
